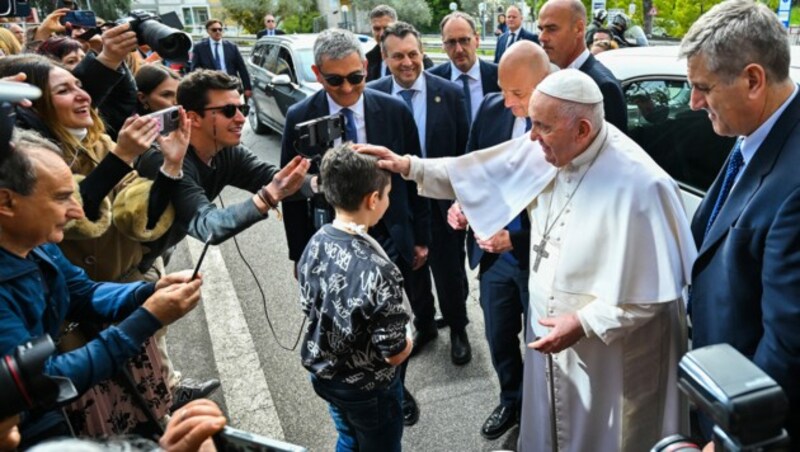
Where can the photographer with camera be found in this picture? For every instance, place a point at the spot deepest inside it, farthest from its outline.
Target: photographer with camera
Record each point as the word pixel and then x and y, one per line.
pixel 216 159
pixel 41 289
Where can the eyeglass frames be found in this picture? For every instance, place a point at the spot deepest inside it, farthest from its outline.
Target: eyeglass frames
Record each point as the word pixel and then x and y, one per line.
pixel 336 80
pixel 463 42
pixel 230 110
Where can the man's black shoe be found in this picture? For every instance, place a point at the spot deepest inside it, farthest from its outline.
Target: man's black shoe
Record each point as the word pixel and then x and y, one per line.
pixel 410 409
pixel 191 389
pixel 460 350
pixel 501 419
pixel 422 337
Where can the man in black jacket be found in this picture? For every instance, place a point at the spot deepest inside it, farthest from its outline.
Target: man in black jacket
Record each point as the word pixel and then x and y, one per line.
pixel 380 17
pixel 270 27
pixel 215 53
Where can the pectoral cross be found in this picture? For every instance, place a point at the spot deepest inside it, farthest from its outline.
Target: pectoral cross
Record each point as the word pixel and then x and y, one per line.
pixel 540 253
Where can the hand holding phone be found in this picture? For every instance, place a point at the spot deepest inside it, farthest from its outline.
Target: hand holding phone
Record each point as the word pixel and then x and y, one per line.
pixel 169 119
pixel 80 18
pixel 232 440
pixel 202 256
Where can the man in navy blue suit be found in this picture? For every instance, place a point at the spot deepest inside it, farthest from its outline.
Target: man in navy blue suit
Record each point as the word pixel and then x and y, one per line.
pixel 441 118
pixel 476 77
pixel 514 34
pixel 746 279
pixel 562 28
pixel 216 54
pixel 370 117
pixel 270 27
pixel 504 257
pixel 380 17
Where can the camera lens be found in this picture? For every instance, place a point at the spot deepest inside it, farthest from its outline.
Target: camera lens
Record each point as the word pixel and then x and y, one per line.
pixel 168 42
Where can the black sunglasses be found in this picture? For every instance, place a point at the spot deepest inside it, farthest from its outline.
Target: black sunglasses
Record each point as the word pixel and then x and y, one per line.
pixel 336 80
pixel 215 30
pixel 230 110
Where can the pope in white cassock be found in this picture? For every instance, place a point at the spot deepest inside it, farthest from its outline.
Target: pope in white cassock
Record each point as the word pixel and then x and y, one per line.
pixel 611 257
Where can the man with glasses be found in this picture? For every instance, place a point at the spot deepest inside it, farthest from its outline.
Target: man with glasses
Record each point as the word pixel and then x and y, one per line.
pixel 441 118
pixel 476 77
pixel 270 29
pixel 217 159
pixel 216 54
pixel 369 117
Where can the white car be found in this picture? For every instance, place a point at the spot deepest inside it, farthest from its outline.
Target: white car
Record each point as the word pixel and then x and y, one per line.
pixel 682 141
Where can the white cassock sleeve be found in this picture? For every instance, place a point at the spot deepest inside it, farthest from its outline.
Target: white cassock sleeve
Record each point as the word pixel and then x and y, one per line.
pixel 431 177
pixel 610 322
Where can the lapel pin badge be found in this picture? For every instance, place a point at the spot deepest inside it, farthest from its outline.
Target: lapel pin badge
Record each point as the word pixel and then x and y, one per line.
pixel 437 99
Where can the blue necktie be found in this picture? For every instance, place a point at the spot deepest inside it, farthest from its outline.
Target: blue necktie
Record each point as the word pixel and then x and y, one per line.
pixel 510 40
pixel 528 124
pixel 735 164
pixel 350 130
pixel 216 56
pixel 407 94
pixel 467 95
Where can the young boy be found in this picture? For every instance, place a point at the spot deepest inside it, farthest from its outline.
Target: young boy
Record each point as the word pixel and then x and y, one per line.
pixel 352 295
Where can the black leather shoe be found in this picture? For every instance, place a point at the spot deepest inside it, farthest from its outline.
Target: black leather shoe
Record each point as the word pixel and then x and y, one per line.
pixel 501 419
pixel 410 409
pixel 460 350
pixel 191 389
pixel 422 337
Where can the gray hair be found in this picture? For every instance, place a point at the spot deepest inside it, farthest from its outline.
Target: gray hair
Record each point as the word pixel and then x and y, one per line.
pixel 517 8
pixel 574 112
pixel 382 11
pixel 336 44
pixel 399 30
pixel 458 15
pixel 736 33
pixel 17 172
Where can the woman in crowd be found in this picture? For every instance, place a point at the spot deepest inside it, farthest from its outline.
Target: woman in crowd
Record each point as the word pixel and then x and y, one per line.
pixel 501 25
pixel 69 52
pixel 9 44
pixel 122 212
pixel 157 88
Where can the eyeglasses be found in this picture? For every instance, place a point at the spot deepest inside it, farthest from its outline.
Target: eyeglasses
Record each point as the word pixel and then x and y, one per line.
pixel 463 42
pixel 336 80
pixel 215 30
pixel 270 21
pixel 230 110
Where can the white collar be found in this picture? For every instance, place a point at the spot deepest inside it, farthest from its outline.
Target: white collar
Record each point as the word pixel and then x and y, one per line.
pixel 357 108
pixel 418 85
pixel 79 134
pixel 474 72
pixel 578 62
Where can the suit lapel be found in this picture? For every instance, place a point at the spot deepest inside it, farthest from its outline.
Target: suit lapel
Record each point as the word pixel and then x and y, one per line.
pixel 373 119
pixel 754 173
pixel 432 109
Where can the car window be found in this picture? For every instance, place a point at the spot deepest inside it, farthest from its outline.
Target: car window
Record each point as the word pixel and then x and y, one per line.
pixel 305 59
pixel 257 56
pixel 285 65
pixel 680 140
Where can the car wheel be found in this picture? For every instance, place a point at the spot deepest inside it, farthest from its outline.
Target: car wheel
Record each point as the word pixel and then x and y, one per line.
pixel 258 127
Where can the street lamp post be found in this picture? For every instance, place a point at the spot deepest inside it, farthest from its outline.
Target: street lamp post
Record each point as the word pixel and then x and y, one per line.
pixel 345 9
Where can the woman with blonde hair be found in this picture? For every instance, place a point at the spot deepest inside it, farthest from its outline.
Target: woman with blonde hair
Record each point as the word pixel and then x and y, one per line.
pixel 9 44
pixel 122 210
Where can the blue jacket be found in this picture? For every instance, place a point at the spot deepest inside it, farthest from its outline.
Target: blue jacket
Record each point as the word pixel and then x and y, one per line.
pixel 39 293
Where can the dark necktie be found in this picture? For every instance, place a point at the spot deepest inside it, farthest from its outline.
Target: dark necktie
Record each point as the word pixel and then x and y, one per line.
pixel 735 164
pixel 528 124
pixel 350 130
pixel 216 56
pixel 510 40
pixel 407 94
pixel 467 95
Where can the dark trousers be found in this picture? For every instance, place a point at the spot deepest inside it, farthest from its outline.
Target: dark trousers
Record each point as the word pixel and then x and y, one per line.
pixel 504 299
pixel 365 420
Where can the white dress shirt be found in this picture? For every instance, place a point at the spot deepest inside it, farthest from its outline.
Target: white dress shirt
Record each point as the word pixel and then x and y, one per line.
pixel 418 101
pixel 358 115
pixel 475 85
pixel 221 49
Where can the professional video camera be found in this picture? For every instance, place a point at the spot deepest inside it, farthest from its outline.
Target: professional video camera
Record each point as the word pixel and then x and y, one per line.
pixel 747 407
pixel 315 138
pixel 24 386
pixel 168 42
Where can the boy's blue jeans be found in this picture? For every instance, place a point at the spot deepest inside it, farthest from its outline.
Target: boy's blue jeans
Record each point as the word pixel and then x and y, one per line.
pixel 367 421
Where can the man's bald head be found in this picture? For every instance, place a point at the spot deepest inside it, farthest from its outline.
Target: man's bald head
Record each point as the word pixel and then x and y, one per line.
pixel 562 28
pixel 521 68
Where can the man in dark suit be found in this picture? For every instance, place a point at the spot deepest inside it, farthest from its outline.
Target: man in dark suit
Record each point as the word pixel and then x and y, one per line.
pixel 216 54
pixel 504 257
pixel 746 278
pixel 380 17
pixel 562 27
pixel 514 34
pixel 441 118
pixel 370 117
pixel 476 77
pixel 270 29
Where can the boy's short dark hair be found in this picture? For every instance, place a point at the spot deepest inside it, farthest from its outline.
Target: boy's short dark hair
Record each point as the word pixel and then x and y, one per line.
pixel 193 89
pixel 348 176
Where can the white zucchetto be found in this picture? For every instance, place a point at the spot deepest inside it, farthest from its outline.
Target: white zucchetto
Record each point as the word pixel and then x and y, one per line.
pixel 571 85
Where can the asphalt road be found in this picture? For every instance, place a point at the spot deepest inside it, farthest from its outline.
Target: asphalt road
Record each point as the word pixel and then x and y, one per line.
pixel 238 335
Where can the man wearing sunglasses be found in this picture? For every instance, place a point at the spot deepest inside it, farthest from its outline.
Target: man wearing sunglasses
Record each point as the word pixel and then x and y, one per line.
pixel 217 54
pixel 270 29
pixel 217 159
pixel 441 118
pixel 476 77
pixel 370 117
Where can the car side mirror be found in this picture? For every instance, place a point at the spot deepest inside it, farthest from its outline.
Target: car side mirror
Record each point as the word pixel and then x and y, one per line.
pixel 282 79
